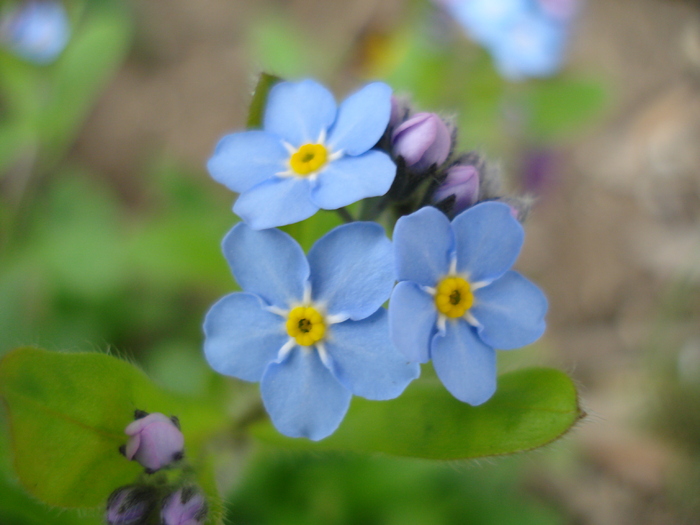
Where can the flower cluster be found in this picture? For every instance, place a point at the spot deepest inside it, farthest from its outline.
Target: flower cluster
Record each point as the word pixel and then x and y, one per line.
pixel 429 171
pixel 155 441
pixel 311 328
pixel 36 31
pixel 527 38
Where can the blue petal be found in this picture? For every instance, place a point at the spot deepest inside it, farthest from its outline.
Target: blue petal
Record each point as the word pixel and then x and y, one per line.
pixel 242 160
pixel 350 179
pixel 241 337
pixel 412 318
pixel 487 21
pixel 510 312
pixel 488 241
pixel 268 263
pixel 465 365
pixel 362 119
pixel 364 360
pixel 299 111
pixel 422 244
pixel 532 47
pixel 302 396
pixel 276 202
pixel 351 270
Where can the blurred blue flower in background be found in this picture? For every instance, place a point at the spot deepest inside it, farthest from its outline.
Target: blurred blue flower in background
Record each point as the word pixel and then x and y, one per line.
pixel 37 31
pixel 458 300
pixel 311 330
pixel 527 38
pixel 310 154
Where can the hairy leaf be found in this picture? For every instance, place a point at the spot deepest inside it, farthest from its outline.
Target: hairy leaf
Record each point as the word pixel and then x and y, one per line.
pixel 67 416
pixel 531 408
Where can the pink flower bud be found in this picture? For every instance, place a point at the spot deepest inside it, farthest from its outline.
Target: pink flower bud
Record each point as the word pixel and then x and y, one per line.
pixel 187 506
pixel 155 441
pixel 462 181
pixel 423 140
pixel 130 505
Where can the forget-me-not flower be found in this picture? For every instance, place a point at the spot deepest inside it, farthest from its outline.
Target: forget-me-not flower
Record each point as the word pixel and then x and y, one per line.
pixel 527 38
pixel 310 329
pixel 37 31
pixel 458 300
pixel 310 154
pixel 533 46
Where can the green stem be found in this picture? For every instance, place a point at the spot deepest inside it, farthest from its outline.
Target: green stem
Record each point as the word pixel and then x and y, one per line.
pixel 345 215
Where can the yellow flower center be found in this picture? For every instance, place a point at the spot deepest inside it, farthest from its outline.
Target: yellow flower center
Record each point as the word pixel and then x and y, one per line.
pixel 305 325
pixel 308 159
pixel 453 297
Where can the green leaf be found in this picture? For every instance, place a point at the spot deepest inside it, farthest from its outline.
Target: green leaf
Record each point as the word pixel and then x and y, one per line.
pixel 531 408
pixel 67 417
pixel 257 105
pixel 17 507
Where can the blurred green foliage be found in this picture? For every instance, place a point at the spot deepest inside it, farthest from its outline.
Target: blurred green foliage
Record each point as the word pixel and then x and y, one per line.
pixel 44 106
pixel 350 489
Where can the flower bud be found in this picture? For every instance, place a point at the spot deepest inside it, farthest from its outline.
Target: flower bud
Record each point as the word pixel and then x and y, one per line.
pixel 187 506
pixel 37 31
pixel 423 140
pixel 130 505
pixel 155 441
pixel 462 181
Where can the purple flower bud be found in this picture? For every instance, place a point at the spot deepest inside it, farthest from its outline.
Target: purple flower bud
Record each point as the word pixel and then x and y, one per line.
pixel 462 181
pixel 130 505
pixel 187 506
pixel 155 441
pixel 423 140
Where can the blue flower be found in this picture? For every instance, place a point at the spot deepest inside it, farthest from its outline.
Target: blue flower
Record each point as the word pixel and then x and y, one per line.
pixel 457 300
pixel 532 47
pixel 38 31
pixel 310 154
pixel 527 38
pixel 311 330
pixel 486 20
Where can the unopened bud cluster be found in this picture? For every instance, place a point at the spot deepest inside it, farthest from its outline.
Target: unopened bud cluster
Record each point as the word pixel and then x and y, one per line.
pixel 430 172
pixel 156 442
